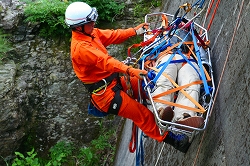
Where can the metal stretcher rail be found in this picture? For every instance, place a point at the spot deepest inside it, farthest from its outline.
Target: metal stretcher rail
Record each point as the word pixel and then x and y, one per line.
pixel 205 100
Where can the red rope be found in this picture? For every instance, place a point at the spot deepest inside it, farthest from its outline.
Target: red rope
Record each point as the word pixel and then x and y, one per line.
pixel 209 9
pixel 132 143
pixel 223 70
pixel 212 18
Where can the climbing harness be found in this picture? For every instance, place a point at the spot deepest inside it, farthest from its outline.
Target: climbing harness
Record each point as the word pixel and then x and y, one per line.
pixel 101 85
pixel 116 102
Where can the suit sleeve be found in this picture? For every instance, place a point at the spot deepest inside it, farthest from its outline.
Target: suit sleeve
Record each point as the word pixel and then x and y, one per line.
pixel 101 60
pixel 117 36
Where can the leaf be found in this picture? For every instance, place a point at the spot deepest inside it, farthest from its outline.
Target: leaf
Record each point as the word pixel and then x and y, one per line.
pixel 19 154
pixel 31 152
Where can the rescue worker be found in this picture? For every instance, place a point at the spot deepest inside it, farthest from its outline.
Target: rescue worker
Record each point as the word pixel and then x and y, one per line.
pixel 99 72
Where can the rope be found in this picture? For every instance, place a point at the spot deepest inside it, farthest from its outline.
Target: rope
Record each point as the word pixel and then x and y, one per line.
pixel 212 18
pixel 159 154
pixel 210 4
pixel 133 140
pixel 222 73
pixel 209 8
pixel 134 144
pixel 140 152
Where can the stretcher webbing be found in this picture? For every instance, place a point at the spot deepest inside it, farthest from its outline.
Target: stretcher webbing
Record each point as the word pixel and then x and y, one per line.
pixel 179 105
pixel 199 61
pixel 144 43
pixel 176 89
pixel 165 52
pixel 201 109
pixel 189 62
pixel 160 72
pixel 206 73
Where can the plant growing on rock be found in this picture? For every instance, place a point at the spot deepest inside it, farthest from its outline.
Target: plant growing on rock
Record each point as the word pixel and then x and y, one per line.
pixel 4 45
pixel 99 152
pixel 50 14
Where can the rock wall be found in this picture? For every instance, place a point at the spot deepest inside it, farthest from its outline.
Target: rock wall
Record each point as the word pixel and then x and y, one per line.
pixel 42 101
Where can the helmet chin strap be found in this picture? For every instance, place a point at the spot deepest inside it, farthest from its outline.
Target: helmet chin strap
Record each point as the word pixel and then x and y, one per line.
pixel 82 31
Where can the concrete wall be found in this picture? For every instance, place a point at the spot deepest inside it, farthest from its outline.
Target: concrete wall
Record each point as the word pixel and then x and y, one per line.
pixel 226 141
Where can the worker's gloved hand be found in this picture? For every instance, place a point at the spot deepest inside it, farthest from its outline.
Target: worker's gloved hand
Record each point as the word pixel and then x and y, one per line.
pixel 137 73
pixel 140 29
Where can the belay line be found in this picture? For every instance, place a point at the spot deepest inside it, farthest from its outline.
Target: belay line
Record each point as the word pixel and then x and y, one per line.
pixel 222 73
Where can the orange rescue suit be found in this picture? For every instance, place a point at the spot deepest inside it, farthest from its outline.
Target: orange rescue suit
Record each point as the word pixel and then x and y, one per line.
pixel 92 63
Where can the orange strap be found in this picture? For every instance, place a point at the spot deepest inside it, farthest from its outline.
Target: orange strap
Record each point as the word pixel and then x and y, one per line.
pixel 179 105
pixel 177 89
pixel 201 109
pixel 144 43
pixel 169 49
pixel 164 22
pixel 172 47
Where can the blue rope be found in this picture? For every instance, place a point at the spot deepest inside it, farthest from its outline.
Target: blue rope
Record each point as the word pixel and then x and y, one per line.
pixel 176 61
pixel 140 153
pixel 197 52
pixel 188 61
pixel 152 51
pixel 170 59
pixel 197 3
pixel 163 68
pixel 156 50
pixel 202 3
pixel 175 23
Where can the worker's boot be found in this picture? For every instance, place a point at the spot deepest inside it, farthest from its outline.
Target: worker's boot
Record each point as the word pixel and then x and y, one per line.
pixel 178 141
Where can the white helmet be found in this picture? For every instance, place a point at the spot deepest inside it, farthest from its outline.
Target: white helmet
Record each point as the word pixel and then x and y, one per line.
pixel 79 13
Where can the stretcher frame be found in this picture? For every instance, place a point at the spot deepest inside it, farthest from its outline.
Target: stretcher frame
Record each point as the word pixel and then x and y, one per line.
pixel 205 100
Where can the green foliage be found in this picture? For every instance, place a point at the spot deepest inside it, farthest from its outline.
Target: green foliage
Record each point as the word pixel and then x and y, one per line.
pixel 108 10
pixel 4 45
pixel 143 7
pixel 66 153
pixel 93 154
pixel 29 160
pixel 59 153
pixel 156 3
pixel 50 14
pixel 87 157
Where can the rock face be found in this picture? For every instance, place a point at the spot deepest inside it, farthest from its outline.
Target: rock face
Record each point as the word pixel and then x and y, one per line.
pixel 41 99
